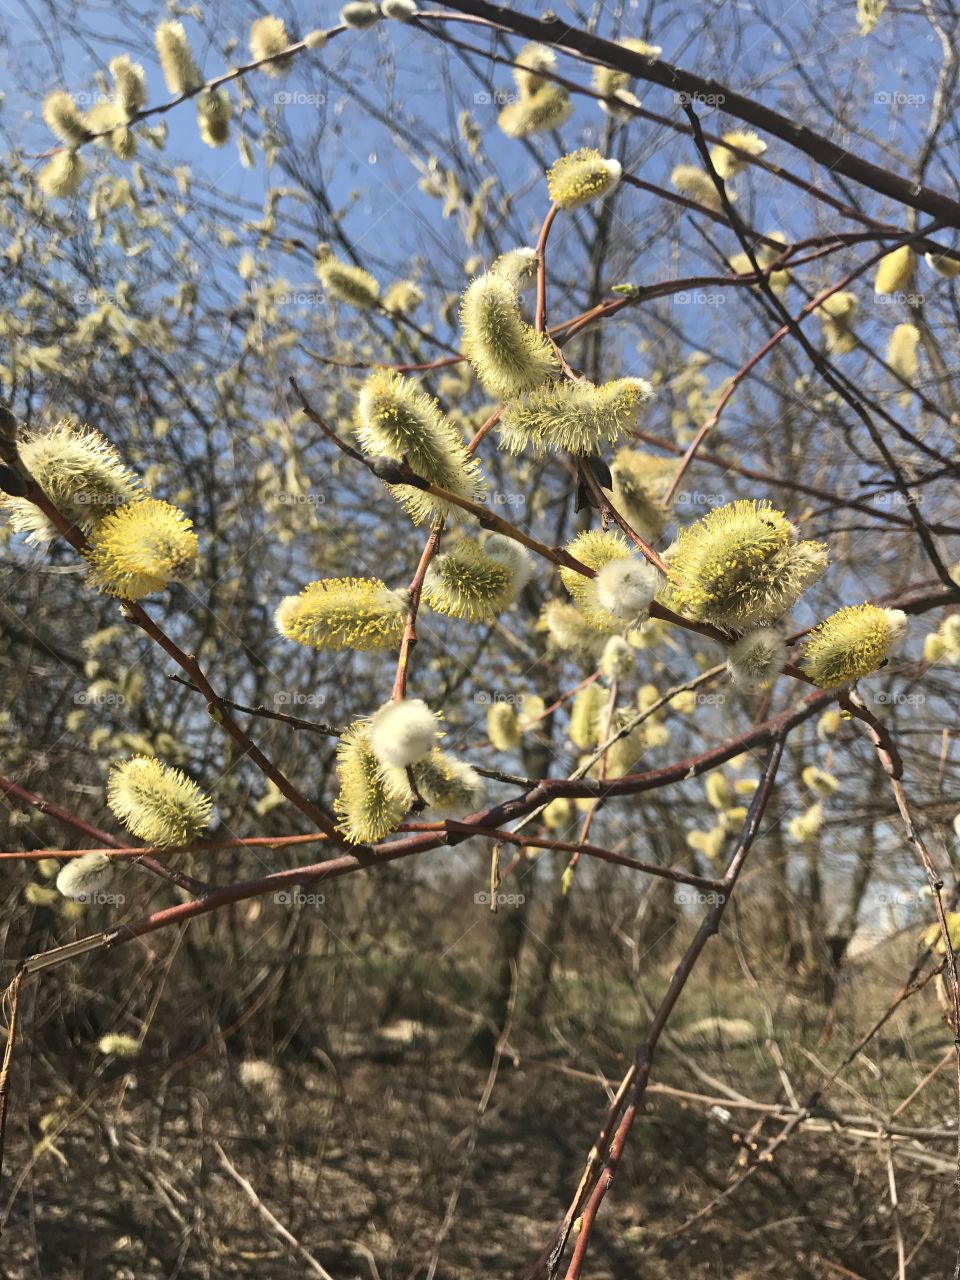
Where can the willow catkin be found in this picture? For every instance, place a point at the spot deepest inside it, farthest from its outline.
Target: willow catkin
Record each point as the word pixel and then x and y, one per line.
pixel 344 613
pixel 508 355
pixel 403 732
pixel 140 548
pixel 851 643
pixel 742 566
pixel 157 803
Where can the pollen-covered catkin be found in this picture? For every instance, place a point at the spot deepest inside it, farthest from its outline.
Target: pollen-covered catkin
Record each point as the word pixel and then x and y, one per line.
pixel 851 643
pixel 370 802
pixel 119 1045
pixel 347 283
pixel 449 786
pixel 395 419
pixel 64 118
pixel 728 163
pixel 612 83
pixel 344 613
pixel 533 61
pixel 805 827
pixel 575 417
pixel 268 37
pixel 503 726
pixel 943 265
pixel 581 176
pixel 696 184
pixel 569 629
pixel 742 566
pixel 820 782
pixel 214 110
pixel 895 271
pixel 540 104
pixel 140 548
pixel 586 716
pixel 61 176
pixel 639 482
pixel 465 582
pixel 403 297
pixel 617 659
pixel 176 58
pixel 594 548
pixel 508 354
pixel 130 86
pixel 360 14
pixel 83 877
pixel 79 471
pixel 159 804
pixel 902 355
pixel 837 314
pixel 519 266
pixel 512 554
